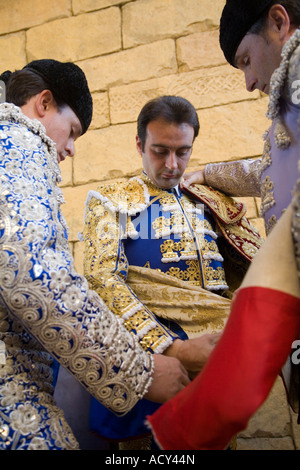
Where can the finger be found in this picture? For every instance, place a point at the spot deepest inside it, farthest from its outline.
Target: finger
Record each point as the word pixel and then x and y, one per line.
pixel 215 337
pixel 217 334
pixel 188 174
pixel 185 375
pixel 186 380
pixel 188 177
pixel 214 342
pixel 193 375
pixel 183 370
pixel 187 182
pixel 191 178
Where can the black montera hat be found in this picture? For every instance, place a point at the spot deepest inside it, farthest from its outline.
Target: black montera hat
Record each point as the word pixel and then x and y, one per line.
pixel 68 82
pixel 237 18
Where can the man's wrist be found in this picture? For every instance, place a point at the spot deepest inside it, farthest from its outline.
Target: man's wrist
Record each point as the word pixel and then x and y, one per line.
pixel 173 350
pixel 203 174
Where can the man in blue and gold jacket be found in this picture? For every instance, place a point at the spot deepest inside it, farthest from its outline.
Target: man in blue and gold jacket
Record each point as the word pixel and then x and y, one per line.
pixel 163 260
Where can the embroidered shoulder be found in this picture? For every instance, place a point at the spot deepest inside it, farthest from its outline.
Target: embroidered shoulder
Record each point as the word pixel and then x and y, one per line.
pixel 280 77
pixel 127 197
pixel 227 209
pixel 12 116
pixel 293 77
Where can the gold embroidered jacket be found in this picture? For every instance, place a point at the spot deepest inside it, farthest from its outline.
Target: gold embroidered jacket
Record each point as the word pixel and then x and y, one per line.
pixel 135 223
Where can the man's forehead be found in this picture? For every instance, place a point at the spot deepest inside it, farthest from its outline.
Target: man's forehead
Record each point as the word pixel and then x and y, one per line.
pixel 169 134
pixel 162 124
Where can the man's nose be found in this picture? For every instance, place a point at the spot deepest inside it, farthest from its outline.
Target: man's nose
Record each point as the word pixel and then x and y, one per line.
pixel 250 82
pixel 70 148
pixel 171 162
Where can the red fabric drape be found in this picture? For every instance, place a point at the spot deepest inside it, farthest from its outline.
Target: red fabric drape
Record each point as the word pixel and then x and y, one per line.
pixel 238 376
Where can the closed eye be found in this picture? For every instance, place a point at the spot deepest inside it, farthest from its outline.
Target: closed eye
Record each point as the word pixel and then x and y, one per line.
pixel 183 152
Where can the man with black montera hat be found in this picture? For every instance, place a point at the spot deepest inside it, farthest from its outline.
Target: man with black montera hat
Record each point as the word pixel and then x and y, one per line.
pixel 48 315
pixel 261 38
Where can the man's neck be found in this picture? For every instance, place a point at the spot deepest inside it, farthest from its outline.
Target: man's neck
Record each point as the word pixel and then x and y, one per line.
pixel 175 188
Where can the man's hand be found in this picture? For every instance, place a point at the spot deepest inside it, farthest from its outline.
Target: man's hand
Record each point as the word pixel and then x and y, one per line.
pixel 193 353
pixel 169 378
pixel 196 177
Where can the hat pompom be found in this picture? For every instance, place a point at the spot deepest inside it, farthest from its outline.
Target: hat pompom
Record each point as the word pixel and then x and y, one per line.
pixel 4 77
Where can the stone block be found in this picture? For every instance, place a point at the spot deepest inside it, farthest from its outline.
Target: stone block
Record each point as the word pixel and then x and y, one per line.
pixel 283 443
pixel 204 88
pixel 199 50
pixel 270 428
pixel 149 20
pixel 76 38
pixel 78 250
pixel 17 15
pixel 137 64
pixel 231 132
pixel 74 208
pixel 126 101
pixel 272 420
pixel 82 6
pixel 101 116
pixel 13 55
pixel 211 87
pixel 66 168
pixel 295 428
pixel 106 153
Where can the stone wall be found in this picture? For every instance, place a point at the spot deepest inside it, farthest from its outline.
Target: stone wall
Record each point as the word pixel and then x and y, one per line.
pixel 132 51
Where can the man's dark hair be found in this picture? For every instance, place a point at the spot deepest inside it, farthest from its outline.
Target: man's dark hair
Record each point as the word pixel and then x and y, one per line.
pixel 172 109
pixel 242 17
pixel 292 7
pixel 23 85
pixel 65 80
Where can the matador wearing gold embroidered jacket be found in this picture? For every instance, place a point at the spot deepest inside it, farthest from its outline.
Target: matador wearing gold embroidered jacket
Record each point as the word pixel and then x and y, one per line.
pixel 159 257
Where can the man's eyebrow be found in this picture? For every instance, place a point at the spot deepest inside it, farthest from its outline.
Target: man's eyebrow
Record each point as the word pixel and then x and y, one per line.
pixel 238 58
pixel 159 145
pixel 166 147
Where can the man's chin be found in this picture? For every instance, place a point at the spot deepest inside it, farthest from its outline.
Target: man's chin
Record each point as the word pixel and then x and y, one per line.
pixel 169 183
pixel 165 183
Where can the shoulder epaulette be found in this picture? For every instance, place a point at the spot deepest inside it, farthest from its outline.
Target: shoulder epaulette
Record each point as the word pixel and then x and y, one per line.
pixel 127 196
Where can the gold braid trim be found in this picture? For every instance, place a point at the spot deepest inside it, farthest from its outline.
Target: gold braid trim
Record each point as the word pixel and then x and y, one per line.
pixel 235 227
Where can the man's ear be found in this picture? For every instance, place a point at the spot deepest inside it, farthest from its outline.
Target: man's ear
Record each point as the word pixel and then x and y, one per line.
pixel 279 21
pixel 44 102
pixel 139 145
